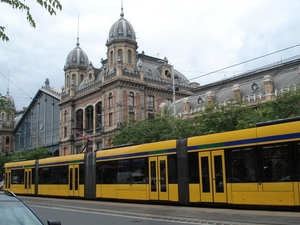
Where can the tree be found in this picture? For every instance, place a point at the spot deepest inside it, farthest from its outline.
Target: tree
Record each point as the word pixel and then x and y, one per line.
pixel 50 5
pixel 235 115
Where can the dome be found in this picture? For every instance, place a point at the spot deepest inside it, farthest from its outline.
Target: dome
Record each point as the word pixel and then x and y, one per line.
pixel 77 57
pixel 121 29
pixel 10 101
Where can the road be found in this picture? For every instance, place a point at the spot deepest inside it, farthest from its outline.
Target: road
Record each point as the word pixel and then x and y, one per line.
pixel 74 212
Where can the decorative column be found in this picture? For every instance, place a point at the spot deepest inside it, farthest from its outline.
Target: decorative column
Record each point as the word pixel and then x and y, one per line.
pixel 269 87
pixel 209 97
pixel 236 92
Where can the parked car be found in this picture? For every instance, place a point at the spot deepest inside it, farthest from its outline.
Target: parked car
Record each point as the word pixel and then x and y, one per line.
pixel 1 184
pixel 15 212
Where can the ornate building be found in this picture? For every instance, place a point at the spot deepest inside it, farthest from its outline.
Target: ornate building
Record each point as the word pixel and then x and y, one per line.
pixel 7 126
pixel 129 85
pixel 256 86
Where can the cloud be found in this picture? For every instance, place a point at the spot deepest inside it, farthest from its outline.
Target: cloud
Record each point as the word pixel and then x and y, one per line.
pixel 197 37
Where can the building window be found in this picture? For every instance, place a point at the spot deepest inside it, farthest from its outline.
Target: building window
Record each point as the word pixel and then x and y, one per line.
pixel 120 52
pixel 78 149
pixel 129 56
pixel 73 79
pixel 151 101
pixel 200 100
pixel 65 115
pixel 169 102
pixel 131 99
pixel 131 116
pixel 110 100
pixel 68 81
pixel 79 119
pixel 110 119
pixel 111 58
pixel 99 114
pixel 7 140
pixel 89 118
pixel 255 87
pixel 65 132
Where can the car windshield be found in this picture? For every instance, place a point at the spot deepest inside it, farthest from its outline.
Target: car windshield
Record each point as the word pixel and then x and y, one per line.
pixel 16 213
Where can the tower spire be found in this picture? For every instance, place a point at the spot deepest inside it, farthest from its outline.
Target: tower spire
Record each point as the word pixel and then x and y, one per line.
pixel 8 84
pixel 122 14
pixel 78 32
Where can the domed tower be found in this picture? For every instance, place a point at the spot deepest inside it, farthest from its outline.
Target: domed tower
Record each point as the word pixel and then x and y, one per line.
pixel 7 125
pixel 121 45
pixel 75 68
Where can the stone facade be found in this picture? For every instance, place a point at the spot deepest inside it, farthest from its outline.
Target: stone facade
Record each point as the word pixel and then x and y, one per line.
pixel 128 86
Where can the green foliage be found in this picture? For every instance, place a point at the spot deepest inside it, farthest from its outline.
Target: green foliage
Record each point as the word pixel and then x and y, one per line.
pixel 50 5
pixel 159 128
pixel 214 119
pixel 38 153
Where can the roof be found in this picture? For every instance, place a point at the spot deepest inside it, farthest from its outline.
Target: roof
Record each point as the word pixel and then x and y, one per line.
pixel 7 196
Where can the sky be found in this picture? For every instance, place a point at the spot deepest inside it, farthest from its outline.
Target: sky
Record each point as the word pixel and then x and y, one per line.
pixel 205 40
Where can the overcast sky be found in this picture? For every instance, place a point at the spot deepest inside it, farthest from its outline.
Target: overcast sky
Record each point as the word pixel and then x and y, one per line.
pixel 197 37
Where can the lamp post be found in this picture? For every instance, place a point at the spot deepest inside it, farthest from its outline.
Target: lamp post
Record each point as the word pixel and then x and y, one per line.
pixel 174 96
pixel 165 61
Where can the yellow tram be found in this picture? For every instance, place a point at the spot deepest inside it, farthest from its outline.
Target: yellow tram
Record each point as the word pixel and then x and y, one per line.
pixel 256 166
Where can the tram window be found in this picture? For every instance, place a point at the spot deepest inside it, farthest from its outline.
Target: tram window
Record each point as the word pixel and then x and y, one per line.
pixel 53 175
pixel 33 176
pixel 139 171
pixel 99 173
pixel 205 174
pixel 17 176
pixel 242 166
pixel 172 169
pixel 297 177
pixel 81 174
pixel 193 162
pixel 109 170
pixel 276 163
pixel 124 172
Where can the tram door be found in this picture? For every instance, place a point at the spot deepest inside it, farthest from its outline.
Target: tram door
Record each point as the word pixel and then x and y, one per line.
pixel 158 180
pixel 212 176
pixel 7 180
pixel 28 181
pixel 73 180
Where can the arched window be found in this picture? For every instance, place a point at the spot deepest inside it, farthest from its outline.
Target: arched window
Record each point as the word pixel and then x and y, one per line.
pixel 68 81
pixel 110 100
pixel 89 118
pixel 81 78
pixel 79 119
pixel 7 140
pixel 99 114
pixel 65 115
pixel 129 56
pixel 73 79
pixel 111 58
pixel 120 52
pixel 131 99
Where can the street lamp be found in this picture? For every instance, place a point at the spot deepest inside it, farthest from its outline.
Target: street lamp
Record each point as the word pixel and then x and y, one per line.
pixel 174 97
pixel 173 83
